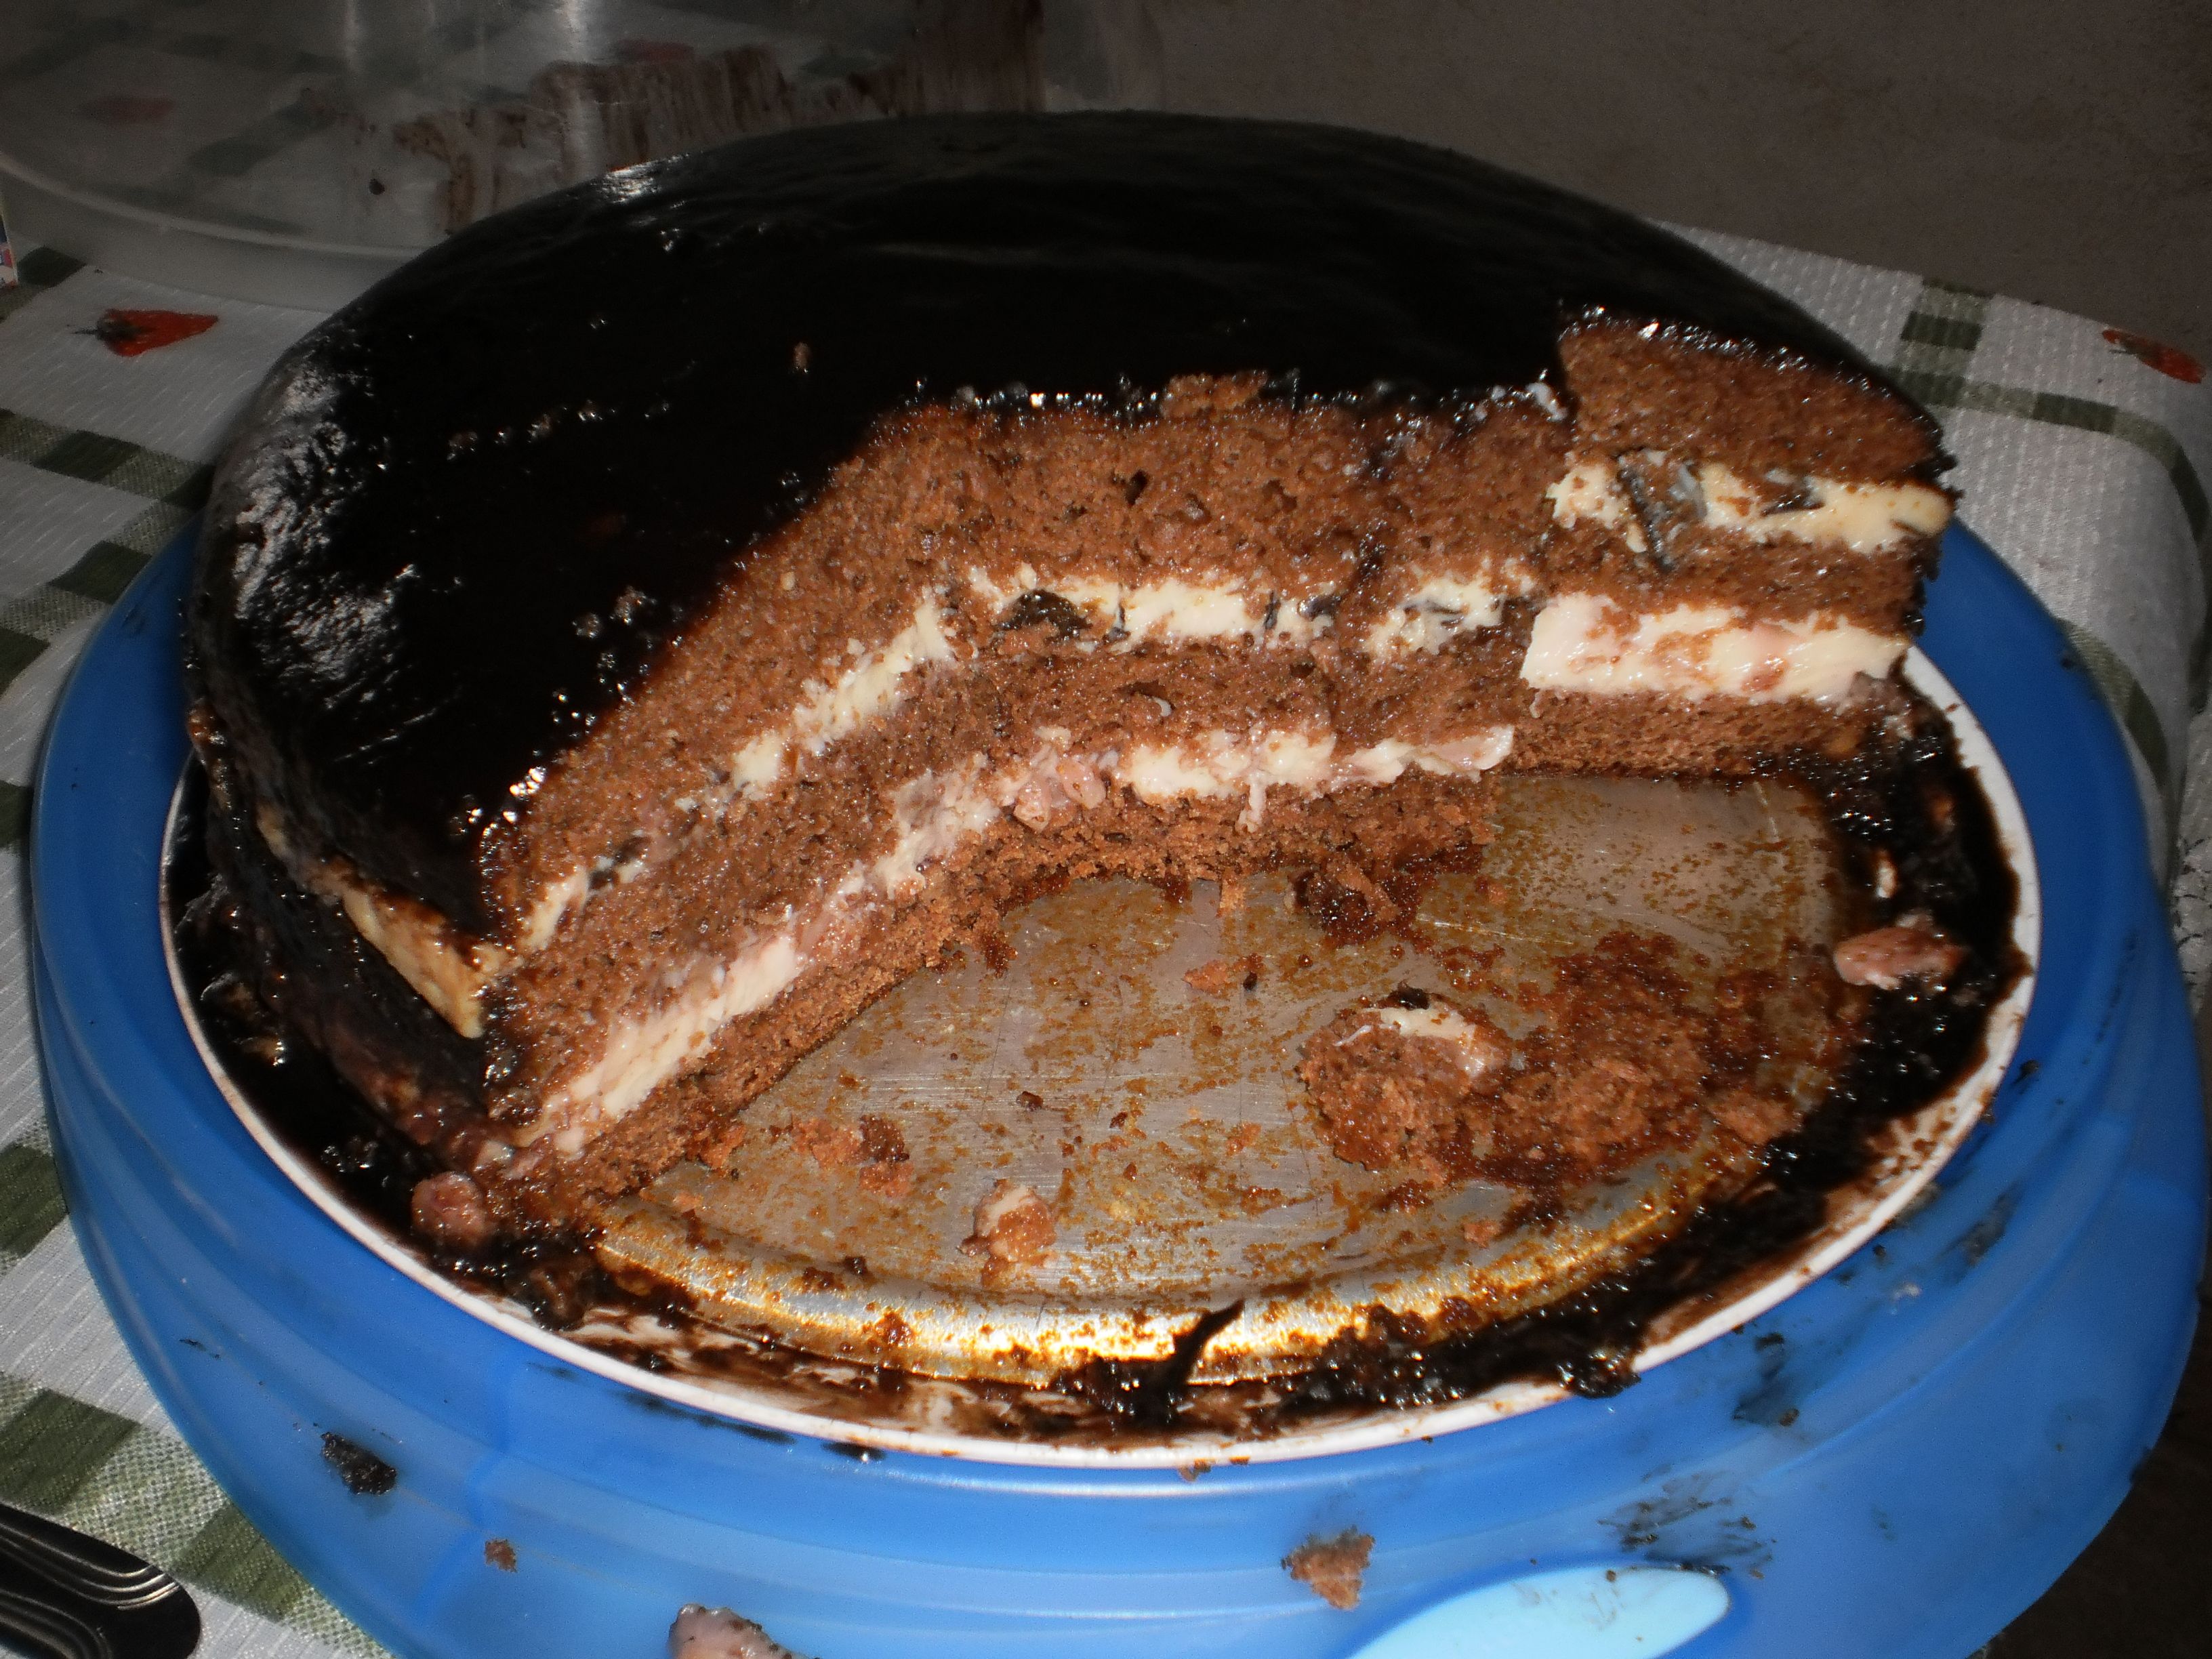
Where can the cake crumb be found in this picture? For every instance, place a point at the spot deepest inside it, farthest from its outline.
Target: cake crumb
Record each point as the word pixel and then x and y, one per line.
pixel 1399 1086
pixel 874 1145
pixel 717 1633
pixel 1212 979
pixel 831 1145
pixel 1888 957
pixel 1236 893
pixel 1240 1138
pixel 886 1166
pixel 500 1554
pixel 449 1210
pixel 365 1473
pixel 1332 1568
pixel 1752 1118
pixel 1482 1230
pixel 1013 1228
pixel 720 1144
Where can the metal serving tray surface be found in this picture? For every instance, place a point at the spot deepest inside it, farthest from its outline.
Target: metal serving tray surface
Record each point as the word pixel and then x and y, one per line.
pixel 1164 1128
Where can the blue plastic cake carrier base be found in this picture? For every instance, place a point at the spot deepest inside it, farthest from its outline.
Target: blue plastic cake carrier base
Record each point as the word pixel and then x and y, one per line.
pixel 1943 1423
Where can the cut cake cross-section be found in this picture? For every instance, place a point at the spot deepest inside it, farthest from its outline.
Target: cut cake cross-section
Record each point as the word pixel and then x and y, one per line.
pixel 644 629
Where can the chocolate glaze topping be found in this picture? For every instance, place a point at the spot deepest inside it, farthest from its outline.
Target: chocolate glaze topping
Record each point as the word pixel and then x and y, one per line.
pixel 592 406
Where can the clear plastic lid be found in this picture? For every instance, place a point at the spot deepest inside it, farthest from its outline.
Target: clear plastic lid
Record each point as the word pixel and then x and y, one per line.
pixel 294 153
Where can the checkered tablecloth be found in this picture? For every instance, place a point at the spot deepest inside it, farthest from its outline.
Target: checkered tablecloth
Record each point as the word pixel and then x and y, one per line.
pixel 2083 452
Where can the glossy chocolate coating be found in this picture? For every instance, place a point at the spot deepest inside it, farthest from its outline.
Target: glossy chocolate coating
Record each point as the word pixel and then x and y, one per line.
pixel 466 512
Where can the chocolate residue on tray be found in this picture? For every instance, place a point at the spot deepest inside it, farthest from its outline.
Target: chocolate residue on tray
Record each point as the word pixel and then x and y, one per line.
pixel 365 1473
pixel 1148 1393
pixel 1913 808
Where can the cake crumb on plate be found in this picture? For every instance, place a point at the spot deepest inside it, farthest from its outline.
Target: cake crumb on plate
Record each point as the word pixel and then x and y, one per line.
pixel 717 1633
pixel 1332 1568
pixel 1014 1228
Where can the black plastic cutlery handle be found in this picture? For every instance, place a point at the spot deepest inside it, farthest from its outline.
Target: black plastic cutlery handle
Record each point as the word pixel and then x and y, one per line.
pixel 73 1597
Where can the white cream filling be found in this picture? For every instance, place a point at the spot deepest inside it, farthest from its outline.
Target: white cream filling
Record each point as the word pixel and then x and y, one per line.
pixel 1863 517
pixel 933 817
pixel 1591 490
pixel 1585 642
pixel 560 897
pixel 1387 761
pixel 1172 610
pixel 1442 609
pixel 555 900
pixel 1220 763
pixel 875 684
pixel 446 967
pixel 872 687
pixel 646 1052
pixel 1477 1052
pixel 755 767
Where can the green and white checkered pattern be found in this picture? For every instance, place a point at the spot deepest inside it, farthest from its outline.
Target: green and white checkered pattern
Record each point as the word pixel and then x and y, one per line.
pixel 85 502
pixel 2084 466
pixel 140 1487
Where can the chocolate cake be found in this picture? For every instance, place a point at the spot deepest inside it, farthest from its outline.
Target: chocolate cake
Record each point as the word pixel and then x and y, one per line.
pixel 645 628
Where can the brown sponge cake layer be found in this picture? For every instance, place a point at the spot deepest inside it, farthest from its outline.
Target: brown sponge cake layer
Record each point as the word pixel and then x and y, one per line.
pixel 1304 530
pixel 858 632
pixel 771 874
pixel 1651 384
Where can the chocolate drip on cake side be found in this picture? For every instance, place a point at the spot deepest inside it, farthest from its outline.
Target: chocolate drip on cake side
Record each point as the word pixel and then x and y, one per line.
pixel 274 980
pixel 470 511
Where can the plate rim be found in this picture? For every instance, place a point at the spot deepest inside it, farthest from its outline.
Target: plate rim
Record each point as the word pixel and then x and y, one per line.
pixel 1953 1115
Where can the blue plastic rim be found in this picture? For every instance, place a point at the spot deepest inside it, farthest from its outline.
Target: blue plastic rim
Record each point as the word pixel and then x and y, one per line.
pixel 1895 1460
